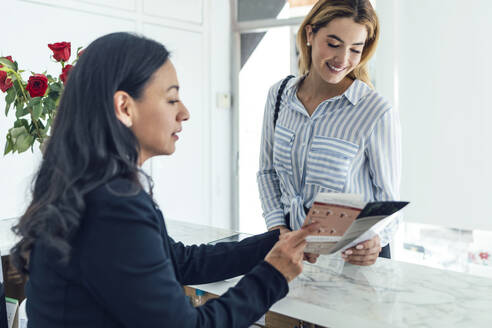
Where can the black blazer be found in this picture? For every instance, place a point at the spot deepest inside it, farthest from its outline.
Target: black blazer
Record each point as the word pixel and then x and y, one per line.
pixel 125 271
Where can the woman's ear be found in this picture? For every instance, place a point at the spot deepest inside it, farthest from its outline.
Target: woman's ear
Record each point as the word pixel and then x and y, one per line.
pixel 123 107
pixel 308 29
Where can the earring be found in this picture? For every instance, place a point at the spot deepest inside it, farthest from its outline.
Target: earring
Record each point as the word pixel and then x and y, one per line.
pixel 308 44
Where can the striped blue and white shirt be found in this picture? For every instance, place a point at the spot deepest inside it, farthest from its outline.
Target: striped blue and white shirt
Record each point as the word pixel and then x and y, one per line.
pixel 350 144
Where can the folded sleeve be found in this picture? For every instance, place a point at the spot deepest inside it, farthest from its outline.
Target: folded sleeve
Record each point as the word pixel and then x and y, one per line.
pixel 384 156
pixel 209 263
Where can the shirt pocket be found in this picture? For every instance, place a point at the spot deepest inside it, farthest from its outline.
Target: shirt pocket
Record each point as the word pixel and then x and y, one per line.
pixel 328 162
pixel 282 149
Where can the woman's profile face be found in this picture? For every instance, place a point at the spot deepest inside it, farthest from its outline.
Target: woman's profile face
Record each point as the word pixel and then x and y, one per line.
pixel 159 114
pixel 336 48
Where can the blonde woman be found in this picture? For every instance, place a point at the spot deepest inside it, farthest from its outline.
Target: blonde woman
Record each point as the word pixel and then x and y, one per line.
pixel 327 129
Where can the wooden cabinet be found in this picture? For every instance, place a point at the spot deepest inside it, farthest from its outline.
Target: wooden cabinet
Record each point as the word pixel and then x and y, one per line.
pixel 13 281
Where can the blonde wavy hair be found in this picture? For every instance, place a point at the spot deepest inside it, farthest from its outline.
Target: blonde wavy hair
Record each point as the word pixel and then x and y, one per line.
pixel 323 12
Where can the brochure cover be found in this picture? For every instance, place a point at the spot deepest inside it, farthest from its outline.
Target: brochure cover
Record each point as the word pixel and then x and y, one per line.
pixel 346 220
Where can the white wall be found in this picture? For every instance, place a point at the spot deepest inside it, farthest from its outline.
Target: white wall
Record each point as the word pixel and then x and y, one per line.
pixel 194 184
pixel 434 64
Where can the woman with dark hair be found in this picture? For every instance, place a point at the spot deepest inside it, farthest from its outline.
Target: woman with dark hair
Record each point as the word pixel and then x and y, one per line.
pixel 95 244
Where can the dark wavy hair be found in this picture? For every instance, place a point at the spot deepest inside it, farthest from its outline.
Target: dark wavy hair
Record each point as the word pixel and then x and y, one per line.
pixel 89 145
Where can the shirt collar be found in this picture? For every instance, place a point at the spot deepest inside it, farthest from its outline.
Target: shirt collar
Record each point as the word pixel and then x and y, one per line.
pixel 357 90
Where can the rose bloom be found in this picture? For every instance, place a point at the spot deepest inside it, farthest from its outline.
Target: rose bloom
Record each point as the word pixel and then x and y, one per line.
pixel 37 85
pixel 61 50
pixel 64 74
pixel 5 82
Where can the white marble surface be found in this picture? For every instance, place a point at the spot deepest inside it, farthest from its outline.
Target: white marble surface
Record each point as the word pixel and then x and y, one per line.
pixel 387 294
pixel 396 294
pixel 190 233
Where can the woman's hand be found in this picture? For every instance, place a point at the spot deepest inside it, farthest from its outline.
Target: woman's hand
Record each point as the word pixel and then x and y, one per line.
pixel 287 254
pixel 309 257
pixel 365 253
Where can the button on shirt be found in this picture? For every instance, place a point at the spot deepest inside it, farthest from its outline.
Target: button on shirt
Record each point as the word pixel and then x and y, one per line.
pixel 350 144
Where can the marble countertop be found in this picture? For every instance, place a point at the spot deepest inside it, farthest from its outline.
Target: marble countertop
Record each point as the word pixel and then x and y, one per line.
pixel 389 293
pixel 334 294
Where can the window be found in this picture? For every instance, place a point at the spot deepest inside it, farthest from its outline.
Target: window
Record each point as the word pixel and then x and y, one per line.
pixel 266 31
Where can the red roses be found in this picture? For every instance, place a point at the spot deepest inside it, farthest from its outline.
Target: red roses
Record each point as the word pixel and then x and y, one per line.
pixel 61 50
pixel 5 82
pixel 34 101
pixel 37 85
pixel 64 74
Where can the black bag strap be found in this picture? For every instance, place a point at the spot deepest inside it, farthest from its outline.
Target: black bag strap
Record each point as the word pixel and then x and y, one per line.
pixel 279 98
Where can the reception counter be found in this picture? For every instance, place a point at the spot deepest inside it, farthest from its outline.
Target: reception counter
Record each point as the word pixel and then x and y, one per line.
pixel 387 294
pixel 334 294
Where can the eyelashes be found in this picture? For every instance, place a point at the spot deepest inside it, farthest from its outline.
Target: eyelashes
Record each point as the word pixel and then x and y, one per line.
pixel 331 45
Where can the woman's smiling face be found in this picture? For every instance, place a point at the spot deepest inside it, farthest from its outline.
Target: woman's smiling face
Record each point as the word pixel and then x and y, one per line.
pixel 336 48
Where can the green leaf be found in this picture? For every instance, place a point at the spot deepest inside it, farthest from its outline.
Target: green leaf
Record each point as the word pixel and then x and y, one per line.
pixel 21 112
pixel 7 107
pixel 10 96
pixel 34 101
pixel 23 142
pixel 18 90
pixel 49 104
pixel 21 122
pixel 9 99
pixel 15 132
pixel 5 62
pixel 19 104
pixel 56 87
pixel 8 146
pixel 44 132
pixel 41 125
pixel 54 95
pixel 36 112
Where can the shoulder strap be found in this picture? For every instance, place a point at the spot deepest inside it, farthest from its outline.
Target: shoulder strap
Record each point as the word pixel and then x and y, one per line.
pixel 279 98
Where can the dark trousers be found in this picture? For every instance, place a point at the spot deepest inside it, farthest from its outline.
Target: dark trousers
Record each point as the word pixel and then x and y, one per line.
pixel 385 251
